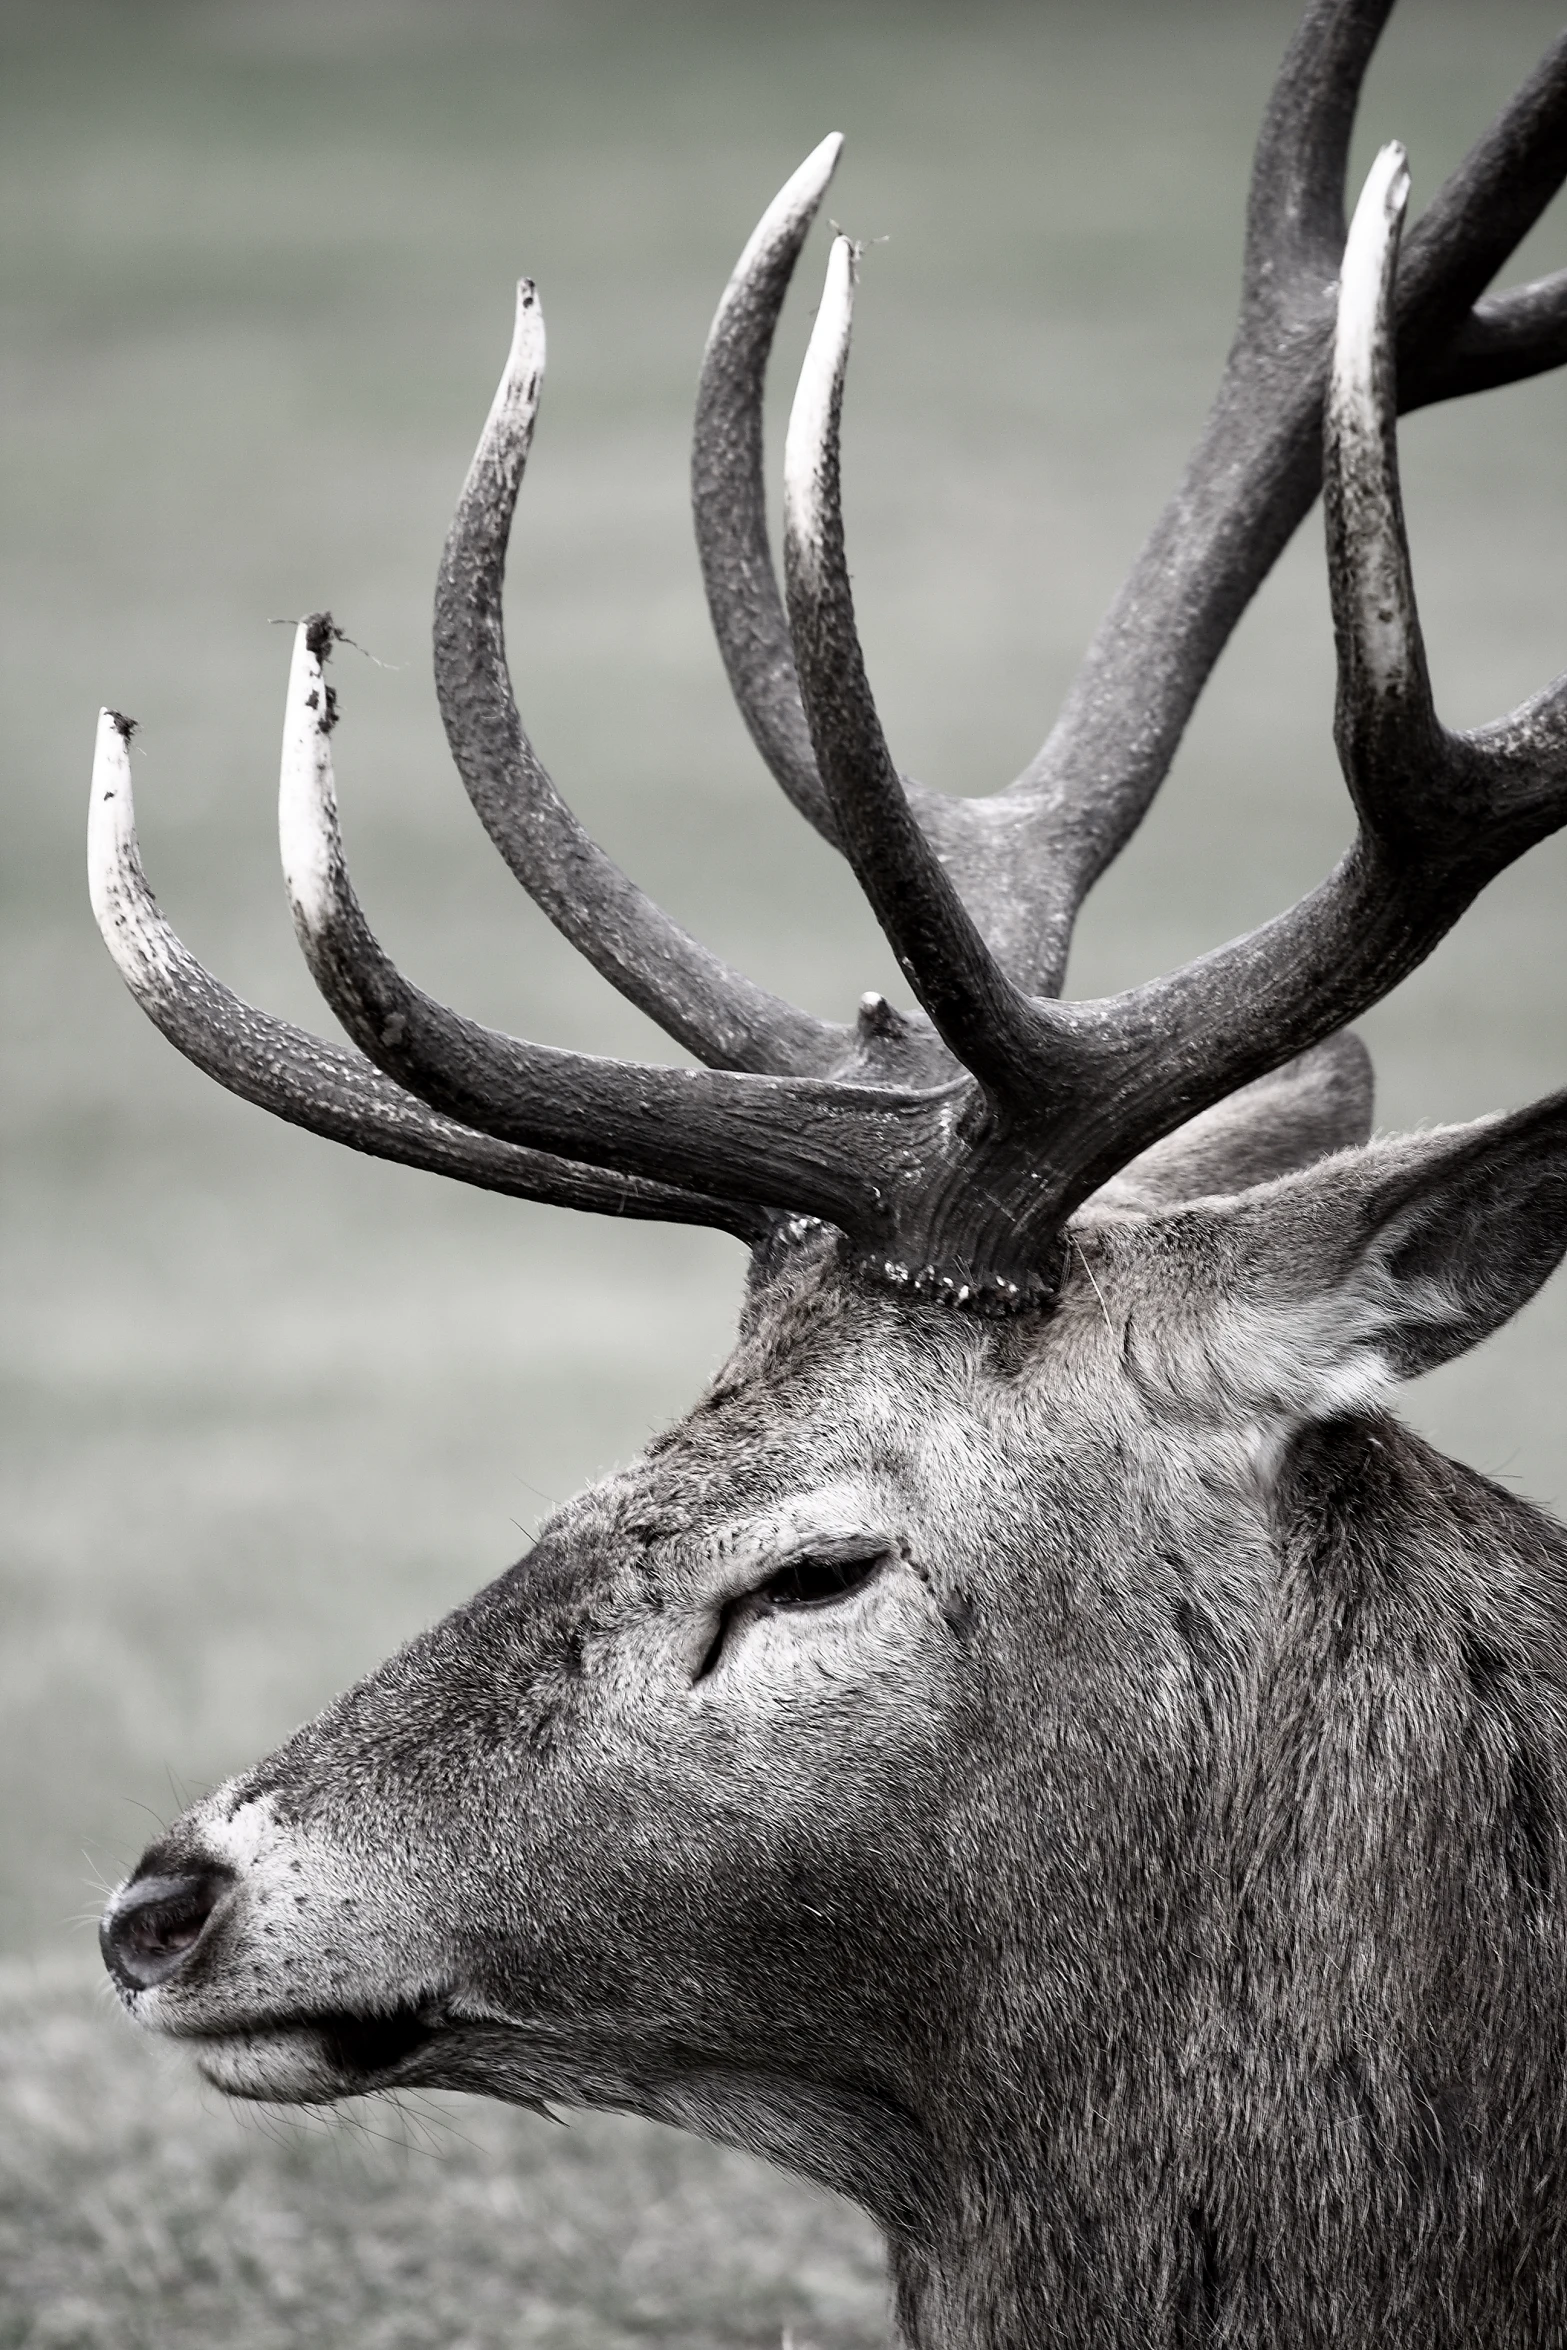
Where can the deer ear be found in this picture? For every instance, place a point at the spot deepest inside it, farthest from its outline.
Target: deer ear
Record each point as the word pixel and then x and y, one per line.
pixel 1464 1238
pixel 1386 1261
pixel 1317 1103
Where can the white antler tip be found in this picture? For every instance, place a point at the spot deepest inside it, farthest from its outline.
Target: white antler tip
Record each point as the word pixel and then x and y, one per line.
pixel 813 419
pixel 842 269
pixel 1366 282
pixel 803 190
pixel 307 801
pixel 111 816
pixel 1380 210
pixel 525 360
pixel 788 216
pixel 135 933
pixel 111 751
pixel 822 161
pixel 1391 173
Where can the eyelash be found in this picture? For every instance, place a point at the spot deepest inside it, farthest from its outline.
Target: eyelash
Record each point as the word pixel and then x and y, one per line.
pixel 816 1582
pixel 807 1582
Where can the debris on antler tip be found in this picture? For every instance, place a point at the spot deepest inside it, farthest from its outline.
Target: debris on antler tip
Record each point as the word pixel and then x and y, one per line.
pixel 1389 175
pixel 509 426
pixel 111 819
pixel 111 768
pixel 527 346
pixel 320 632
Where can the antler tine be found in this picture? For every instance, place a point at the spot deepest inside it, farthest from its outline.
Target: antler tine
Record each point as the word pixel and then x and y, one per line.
pixel 301 1078
pixel 1428 799
pixel 1295 206
pixel 716 1013
pixel 1505 337
pixel 981 1017
pixel 1386 724
pixel 793 1144
pixel 729 504
pixel 1482 211
pixel 728 497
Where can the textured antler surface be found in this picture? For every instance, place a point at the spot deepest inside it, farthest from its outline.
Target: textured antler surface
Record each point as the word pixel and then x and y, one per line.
pixel 984 1021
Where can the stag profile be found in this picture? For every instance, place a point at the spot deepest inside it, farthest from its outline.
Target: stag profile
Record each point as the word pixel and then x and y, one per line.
pixel 1039 1748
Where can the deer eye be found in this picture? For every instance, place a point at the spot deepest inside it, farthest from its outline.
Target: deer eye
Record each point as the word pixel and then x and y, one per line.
pixel 813 1581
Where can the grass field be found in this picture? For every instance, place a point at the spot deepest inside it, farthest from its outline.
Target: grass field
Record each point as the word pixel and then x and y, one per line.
pixel 268 1409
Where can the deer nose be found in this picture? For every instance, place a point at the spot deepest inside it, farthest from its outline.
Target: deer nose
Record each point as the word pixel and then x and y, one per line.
pixel 151 1929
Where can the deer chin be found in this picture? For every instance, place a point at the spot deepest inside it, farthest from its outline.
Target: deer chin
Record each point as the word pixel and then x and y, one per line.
pixel 318 2058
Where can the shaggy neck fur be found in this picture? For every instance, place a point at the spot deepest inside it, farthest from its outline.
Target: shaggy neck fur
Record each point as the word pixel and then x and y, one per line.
pixel 1311 2087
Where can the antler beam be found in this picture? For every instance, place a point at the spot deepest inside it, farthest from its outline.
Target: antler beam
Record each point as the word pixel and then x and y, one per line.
pixel 1256 469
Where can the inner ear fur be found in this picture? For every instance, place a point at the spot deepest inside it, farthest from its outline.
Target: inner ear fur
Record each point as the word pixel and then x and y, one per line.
pixel 1318 1103
pixel 1413 1249
pixel 1464 1241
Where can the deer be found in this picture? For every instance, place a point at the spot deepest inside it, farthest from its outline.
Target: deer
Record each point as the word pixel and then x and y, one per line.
pixel 1040 1749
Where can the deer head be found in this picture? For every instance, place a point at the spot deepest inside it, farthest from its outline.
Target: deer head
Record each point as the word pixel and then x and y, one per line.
pixel 1035 1749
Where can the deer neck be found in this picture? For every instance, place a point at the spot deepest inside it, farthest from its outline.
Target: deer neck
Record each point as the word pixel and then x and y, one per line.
pixel 1276 2096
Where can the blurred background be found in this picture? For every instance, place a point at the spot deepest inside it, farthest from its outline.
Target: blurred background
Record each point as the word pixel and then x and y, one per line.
pixel 270 1407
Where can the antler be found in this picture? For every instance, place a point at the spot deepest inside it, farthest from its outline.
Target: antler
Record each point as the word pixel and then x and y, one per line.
pixel 950 1154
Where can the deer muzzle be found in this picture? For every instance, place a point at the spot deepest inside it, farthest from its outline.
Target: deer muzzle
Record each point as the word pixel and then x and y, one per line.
pixel 258 1948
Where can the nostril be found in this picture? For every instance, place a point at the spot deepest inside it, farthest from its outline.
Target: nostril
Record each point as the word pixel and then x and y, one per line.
pixel 155 1925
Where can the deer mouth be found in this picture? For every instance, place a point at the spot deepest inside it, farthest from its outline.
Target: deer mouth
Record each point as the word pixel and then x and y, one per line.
pixel 313 2058
pixel 365 2045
